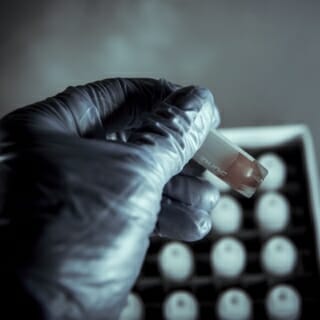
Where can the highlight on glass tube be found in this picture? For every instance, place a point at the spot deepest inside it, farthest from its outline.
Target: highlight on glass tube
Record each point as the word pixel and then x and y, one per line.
pixel 230 163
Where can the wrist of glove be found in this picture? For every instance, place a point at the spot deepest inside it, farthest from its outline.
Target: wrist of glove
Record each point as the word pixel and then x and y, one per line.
pixel 89 175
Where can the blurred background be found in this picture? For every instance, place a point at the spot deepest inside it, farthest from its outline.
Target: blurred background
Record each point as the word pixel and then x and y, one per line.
pixel 260 58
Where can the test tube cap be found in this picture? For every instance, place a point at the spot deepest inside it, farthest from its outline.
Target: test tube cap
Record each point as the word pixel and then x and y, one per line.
pixel 277 171
pixel 272 212
pixel 228 258
pixel 234 304
pixel 279 256
pixel 226 216
pixel 175 262
pixel 283 303
pixel 181 305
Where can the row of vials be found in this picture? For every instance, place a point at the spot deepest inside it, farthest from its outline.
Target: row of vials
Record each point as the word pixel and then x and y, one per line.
pixel 271 213
pixel 228 259
pixel 282 302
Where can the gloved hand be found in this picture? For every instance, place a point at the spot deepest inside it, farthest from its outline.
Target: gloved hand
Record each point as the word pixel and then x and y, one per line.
pixel 84 176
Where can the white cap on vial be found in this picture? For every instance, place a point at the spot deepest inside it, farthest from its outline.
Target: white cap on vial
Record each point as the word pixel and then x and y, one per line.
pixel 176 262
pixel 272 212
pixel 134 310
pixel 226 216
pixel 234 304
pixel 180 305
pixel 279 256
pixel 277 171
pixel 228 258
pixel 283 303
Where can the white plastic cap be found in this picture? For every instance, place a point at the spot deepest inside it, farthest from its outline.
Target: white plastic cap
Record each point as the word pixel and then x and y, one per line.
pixel 272 212
pixel 279 256
pixel 283 303
pixel 176 262
pixel 277 171
pixel 234 304
pixel 180 305
pixel 228 258
pixel 134 310
pixel 226 216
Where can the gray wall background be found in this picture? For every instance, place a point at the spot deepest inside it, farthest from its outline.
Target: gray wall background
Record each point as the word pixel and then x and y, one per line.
pixel 260 58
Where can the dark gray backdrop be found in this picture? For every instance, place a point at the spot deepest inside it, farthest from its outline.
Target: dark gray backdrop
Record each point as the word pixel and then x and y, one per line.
pixel 260 58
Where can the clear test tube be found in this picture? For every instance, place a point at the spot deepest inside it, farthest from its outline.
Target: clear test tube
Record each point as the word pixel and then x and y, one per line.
pixel 230 163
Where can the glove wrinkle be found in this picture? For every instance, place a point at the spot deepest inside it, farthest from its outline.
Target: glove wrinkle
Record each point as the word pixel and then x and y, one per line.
pixel 181 222
pixel 86 176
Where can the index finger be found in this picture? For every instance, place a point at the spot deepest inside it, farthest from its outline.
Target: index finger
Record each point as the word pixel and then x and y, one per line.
pixel 114 104
pixel 104 106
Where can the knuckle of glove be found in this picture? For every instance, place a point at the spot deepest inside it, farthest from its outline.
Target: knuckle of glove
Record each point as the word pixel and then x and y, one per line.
pixel 177 128
pixel 187 115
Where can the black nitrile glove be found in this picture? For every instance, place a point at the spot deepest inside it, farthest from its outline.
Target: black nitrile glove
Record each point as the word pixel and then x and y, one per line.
pixel 86 177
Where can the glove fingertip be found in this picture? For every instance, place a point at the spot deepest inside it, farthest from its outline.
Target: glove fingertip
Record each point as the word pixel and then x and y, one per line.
pixel 204 227
pixel 180 222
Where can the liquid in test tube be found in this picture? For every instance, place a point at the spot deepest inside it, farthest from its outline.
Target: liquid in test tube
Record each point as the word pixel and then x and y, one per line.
pixel 230 163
